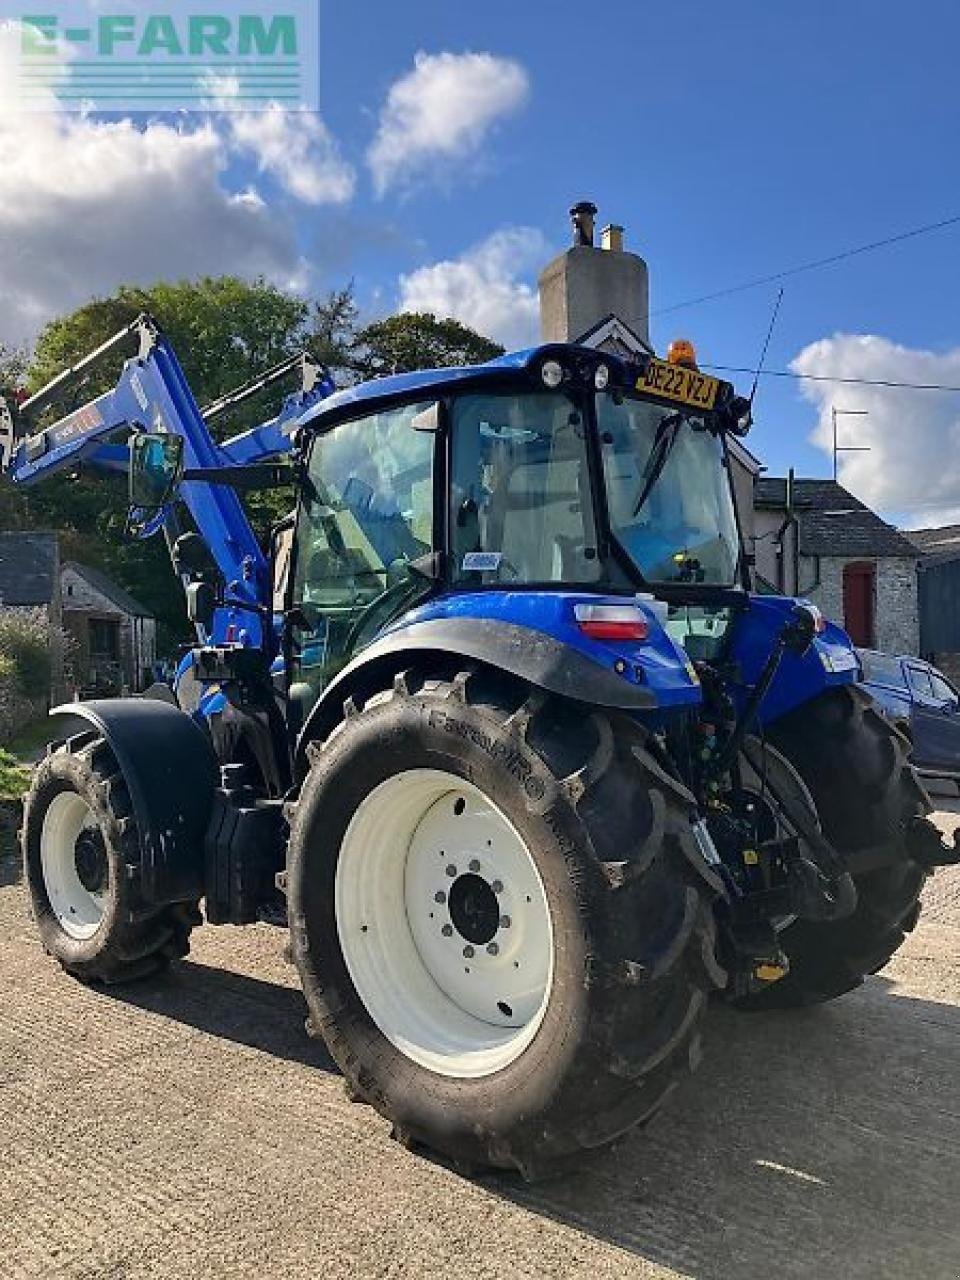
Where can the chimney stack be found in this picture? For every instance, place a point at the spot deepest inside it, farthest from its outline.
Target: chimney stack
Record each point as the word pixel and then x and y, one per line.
pixel 586 285
pixel 611 238
pixel 583 216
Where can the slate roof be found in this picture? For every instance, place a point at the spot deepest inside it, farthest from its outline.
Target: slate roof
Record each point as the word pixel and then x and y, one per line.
pixel 28 568
pixel 107 587
pixel 833 522
pixel 943 542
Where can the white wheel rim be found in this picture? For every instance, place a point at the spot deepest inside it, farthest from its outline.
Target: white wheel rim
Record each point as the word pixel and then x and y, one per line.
pixel 79 911
pixel 425 857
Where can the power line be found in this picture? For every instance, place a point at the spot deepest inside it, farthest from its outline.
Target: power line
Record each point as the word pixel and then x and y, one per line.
pixel 824 377
pixel 810 266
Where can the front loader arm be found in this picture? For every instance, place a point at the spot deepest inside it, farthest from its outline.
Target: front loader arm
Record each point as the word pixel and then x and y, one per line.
pixel 152 394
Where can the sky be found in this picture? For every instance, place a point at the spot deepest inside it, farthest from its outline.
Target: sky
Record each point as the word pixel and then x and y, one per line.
pixel 732 141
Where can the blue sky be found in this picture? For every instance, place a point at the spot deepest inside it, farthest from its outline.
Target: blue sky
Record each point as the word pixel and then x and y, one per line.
pixel 732 140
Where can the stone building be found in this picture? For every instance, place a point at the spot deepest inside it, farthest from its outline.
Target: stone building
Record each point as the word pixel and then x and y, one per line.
pixel 30 583
pixel 814 538
pixel 110 636
pixel 114 636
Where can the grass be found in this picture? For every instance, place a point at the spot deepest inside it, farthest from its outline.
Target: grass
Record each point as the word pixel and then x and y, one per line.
pixel 17 759
pixel 29 744
pixel 14 776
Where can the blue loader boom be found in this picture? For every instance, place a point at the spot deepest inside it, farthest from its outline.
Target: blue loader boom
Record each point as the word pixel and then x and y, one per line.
pixel 498 728
pixel 152 395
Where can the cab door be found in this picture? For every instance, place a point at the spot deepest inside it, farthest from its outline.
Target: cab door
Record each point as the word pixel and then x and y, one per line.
pixel 365 525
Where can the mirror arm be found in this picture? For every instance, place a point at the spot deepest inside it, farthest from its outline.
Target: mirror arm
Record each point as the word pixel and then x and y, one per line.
pixel 251 476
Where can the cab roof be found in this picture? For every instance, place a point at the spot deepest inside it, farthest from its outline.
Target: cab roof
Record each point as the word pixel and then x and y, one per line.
pixel 434 382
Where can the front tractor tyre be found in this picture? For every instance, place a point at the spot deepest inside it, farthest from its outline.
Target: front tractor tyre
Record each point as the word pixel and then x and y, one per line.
pixel 855 766
pixel 503 930
pixel 81 854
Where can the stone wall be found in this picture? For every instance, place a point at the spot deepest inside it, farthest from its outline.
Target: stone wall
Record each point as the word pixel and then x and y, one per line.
pixel 82 602
pixel 895 608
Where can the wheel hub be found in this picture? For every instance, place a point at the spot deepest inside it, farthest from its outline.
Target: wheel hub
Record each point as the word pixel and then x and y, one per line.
pixel 474 910
pixel 90 857
pixel 73 859
pixel 444 923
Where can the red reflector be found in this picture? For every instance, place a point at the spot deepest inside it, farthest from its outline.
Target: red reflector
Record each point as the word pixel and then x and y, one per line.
pixel 598 629
pixel 612 621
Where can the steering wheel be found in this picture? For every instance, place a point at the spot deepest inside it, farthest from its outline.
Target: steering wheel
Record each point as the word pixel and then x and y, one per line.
pixel 379 611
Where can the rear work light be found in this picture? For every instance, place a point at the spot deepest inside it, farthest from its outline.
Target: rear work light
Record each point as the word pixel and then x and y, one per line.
pixel 612 621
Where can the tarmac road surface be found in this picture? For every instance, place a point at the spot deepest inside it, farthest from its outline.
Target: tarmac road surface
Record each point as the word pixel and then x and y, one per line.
pixel 188 1128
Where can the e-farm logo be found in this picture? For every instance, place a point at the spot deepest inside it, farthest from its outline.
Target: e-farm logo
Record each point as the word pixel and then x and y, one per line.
pixel 97 55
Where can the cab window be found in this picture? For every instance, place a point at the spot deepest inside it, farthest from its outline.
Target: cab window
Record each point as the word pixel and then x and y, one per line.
pixel 522 507
pixel 365 520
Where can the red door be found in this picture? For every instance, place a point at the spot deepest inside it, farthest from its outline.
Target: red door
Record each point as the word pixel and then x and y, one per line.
pixel 858 597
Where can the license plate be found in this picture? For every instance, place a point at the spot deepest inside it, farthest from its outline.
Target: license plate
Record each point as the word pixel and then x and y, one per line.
pixel 674 382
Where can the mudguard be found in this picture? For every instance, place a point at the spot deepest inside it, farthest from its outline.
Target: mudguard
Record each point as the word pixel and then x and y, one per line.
pixel 540 659
pixel 171 771
pixel 831 661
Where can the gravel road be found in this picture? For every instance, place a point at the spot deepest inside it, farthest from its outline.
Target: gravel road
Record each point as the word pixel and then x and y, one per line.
pixel 188 1128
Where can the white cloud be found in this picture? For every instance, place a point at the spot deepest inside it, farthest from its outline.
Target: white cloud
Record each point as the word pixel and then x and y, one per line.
pixel 298 150
pixel 482 288
pixel 912 470
pixel 87 204
pixel 295 147
pixel 442 110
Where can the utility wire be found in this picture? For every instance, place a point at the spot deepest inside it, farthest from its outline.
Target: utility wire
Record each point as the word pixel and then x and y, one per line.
pixel 810 266
pixel 824 377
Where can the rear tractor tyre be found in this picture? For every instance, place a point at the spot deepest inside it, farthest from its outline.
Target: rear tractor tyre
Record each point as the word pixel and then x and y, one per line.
pixel 502 926
pixel 854 763
pixel 81 854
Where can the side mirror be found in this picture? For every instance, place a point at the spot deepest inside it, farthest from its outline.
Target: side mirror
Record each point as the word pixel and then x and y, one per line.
pixel 801 631
pixel 156 469
pixel 739 416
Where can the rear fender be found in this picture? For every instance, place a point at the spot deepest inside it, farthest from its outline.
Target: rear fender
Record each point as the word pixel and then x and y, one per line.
pixel 540 659
pixel 170 769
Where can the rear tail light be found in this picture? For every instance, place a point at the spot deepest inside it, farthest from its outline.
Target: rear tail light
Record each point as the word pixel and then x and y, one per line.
pixel 612 621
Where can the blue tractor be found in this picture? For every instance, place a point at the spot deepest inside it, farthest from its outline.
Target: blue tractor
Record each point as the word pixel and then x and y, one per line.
pixel 494 724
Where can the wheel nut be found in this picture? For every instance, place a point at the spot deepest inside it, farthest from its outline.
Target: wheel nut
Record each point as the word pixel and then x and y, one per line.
pixel 505 922
pixel 474 864
pixel 447 930
pixel 497 886
pixel 493 949
pixel 451 870
pixel 468 953
pixel 439 896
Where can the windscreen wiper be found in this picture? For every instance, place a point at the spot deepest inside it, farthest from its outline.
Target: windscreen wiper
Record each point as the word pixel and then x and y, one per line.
pixel 666 438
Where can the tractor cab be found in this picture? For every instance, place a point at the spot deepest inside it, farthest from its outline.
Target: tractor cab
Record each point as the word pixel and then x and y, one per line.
pixel 559 469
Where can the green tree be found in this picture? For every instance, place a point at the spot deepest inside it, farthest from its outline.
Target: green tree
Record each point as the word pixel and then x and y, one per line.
pixel 418 340
pixel 13 367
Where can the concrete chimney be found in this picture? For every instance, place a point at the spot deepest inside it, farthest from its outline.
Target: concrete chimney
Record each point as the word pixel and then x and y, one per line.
pixel 584 286
pixel 611 238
